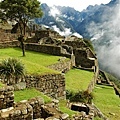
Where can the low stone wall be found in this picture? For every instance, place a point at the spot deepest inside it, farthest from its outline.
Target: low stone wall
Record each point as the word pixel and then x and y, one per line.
pixel 95 77
pixel 91 85
pixel 51 84
pixel 19 112
pixel 76 44
pixel 7 44
pixel 36 106
pixel 6 97
pixel 63 65
pixel 33 109
pixel 48 49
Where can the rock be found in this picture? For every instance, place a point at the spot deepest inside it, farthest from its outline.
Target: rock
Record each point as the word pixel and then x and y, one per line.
pixel 20 86
pixel 64 116
pixel 112 114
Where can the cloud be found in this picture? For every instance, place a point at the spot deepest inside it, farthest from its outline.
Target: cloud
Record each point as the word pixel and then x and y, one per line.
pixel 106 39
pixel 54 11
pixel 77 4
pixel 66 32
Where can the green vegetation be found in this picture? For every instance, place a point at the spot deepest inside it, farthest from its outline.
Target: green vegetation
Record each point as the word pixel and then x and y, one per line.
pixel 11 69
pixel 114 79
pixel 77 80
pixel 97 118
pixel 89 44
pixel 80 96
pixel 29 93
pixel 107 101
pixel 20 11
pixel 35 63
pixel 63 107
pixel 1 85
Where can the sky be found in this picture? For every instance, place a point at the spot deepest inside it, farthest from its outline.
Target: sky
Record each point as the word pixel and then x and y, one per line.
pixel 76 4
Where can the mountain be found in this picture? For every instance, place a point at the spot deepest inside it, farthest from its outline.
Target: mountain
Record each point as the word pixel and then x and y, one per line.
pixel 100 23
pixel 68 19
pixel 62 19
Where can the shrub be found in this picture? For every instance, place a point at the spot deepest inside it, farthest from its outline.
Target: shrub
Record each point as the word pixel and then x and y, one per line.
pixel 80 96
pixel 11 70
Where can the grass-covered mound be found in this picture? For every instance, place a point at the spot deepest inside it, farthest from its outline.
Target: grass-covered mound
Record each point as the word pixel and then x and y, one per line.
pixel 35 63
pixel 106 100
pixel 77 79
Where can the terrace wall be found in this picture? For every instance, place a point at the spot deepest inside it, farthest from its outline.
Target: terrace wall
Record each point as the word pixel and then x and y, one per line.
pixel 75 44
pixel 51 84
pixel 95 77
pixel 64 64
pixel 48 49
pixel 7 44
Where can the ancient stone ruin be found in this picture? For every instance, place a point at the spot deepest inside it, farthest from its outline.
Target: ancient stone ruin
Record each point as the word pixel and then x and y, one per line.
pixel 50 42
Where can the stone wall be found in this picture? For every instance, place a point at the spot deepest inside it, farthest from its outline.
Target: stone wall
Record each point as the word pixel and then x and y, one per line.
pixel 33 109
pixel 51 84
pixel 6 97
pixel 18 112
pixel 95 77
pixel 81 58
pixel 76 44
pixel 5 36
pixel 48 49
pixel 7 44
pixel 63 66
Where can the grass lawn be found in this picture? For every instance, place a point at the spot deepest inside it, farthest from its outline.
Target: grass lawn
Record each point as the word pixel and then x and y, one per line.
pixel 29 93
pixel 77 79
pixel 106 100
pixel 1 85
pixel 35 63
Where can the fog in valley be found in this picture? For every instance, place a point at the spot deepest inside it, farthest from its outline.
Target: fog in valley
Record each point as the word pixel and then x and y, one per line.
pixel 106 40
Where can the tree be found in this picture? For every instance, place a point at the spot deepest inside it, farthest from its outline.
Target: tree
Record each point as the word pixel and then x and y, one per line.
pixel 11 70
pixel 21 11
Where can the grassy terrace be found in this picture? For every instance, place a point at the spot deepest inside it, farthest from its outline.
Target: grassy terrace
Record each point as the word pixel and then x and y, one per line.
pixel 77 79
pixel 35 63
pixel 107 101
pixel 28 94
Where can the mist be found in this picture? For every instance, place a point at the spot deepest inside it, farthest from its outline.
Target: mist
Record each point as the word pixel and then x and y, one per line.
pixel 105 37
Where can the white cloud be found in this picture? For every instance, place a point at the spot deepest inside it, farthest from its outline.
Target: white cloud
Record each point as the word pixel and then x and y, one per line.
pixel 77 4
pixel 107 42
pixel 66 32
pixel 54 11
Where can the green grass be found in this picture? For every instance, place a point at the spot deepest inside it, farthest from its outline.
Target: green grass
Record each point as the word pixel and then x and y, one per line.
pixel 29 93
pixel 1 85
pixel 106 100
pixel 77 79
pixel 35 63
pixel 63 107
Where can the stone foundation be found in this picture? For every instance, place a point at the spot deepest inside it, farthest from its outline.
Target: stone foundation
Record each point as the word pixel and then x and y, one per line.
pixel 33 109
